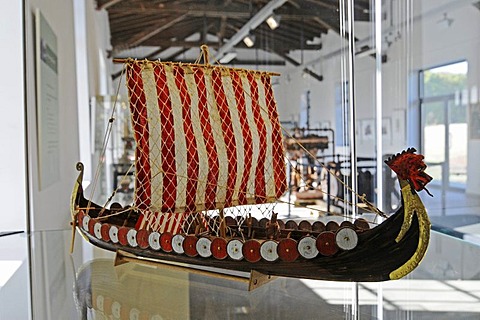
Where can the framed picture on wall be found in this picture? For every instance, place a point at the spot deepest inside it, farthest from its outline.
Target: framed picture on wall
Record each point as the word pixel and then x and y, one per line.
pixel 48 123
pixel 399 124
pixel 387 130
pixel 367 129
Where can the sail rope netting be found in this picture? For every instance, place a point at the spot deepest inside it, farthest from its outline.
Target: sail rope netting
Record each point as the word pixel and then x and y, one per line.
pixel 208 143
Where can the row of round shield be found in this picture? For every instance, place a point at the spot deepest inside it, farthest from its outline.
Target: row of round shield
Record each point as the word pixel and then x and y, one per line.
pixel 327 243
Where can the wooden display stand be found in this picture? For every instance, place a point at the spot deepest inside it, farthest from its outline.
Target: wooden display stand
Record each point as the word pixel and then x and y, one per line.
pixel 256 279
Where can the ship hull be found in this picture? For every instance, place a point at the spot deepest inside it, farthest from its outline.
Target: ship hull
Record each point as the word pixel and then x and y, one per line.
pixel 376 256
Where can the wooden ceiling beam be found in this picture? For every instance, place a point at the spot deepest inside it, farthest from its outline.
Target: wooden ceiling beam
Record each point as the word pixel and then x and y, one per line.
pixel 252 23
pixel 332 27
pixel 223 28
pixel 141 37
pixel 212 11
pixel 147 34
pixel 287 37
pixel 107 4
pixel 306 70
pixel 192 9
pixel 161 23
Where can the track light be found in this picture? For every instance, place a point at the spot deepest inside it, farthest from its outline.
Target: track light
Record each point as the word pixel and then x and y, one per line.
pixel 249 40
pixel 273 21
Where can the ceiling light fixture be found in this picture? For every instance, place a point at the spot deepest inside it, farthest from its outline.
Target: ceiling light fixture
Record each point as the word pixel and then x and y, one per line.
pixel 273 21
pixel 249 40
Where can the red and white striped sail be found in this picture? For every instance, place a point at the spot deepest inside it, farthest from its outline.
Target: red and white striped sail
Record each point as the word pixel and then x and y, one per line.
pixel 207 138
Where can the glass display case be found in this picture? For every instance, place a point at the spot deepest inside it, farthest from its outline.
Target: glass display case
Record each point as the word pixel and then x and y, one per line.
pixel 359 80
pixel 366 79
pixel 87 285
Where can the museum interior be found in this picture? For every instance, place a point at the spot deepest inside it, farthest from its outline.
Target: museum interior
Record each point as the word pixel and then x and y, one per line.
pixel 240 159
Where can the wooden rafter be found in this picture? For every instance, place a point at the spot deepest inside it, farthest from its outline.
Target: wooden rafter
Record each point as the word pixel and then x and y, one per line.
pixel 167 23
pixel 108 4
pixel 311 73
pixel 147 34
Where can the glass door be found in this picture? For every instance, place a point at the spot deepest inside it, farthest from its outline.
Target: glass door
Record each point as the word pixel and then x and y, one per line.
pixel 444 123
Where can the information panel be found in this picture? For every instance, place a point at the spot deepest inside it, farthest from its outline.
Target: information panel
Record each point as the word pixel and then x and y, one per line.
pixel 47 103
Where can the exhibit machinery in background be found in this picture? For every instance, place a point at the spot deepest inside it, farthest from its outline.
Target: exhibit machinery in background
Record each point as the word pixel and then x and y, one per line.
pixel 210 181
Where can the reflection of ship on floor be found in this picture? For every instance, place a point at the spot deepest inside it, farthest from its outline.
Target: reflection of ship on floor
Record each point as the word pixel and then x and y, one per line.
pixel 136 291
pixel 130 291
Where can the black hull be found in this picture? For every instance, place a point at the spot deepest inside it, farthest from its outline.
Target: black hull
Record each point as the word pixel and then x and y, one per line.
pixel 376 256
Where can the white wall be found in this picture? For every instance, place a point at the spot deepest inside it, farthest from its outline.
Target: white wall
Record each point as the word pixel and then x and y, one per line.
pixel 12 131
pixel 293 83
pixel 50 206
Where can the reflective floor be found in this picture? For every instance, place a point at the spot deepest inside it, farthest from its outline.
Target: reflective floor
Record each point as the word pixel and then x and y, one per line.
pixel 47 282
pixel 455 212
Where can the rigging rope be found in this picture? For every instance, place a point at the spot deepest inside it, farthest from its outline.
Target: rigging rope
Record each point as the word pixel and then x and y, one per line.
pixel 106 138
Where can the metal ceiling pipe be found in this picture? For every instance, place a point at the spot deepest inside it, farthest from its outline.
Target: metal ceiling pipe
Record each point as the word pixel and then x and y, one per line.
pixel 254 22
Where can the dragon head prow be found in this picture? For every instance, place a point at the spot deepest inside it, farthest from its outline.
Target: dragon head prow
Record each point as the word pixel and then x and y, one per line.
pixel 410 167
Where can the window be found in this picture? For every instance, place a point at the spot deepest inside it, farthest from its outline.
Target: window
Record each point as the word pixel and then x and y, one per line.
pixel 444 122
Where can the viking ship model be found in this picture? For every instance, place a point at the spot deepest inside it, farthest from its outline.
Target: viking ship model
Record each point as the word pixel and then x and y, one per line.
pixel 209 159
